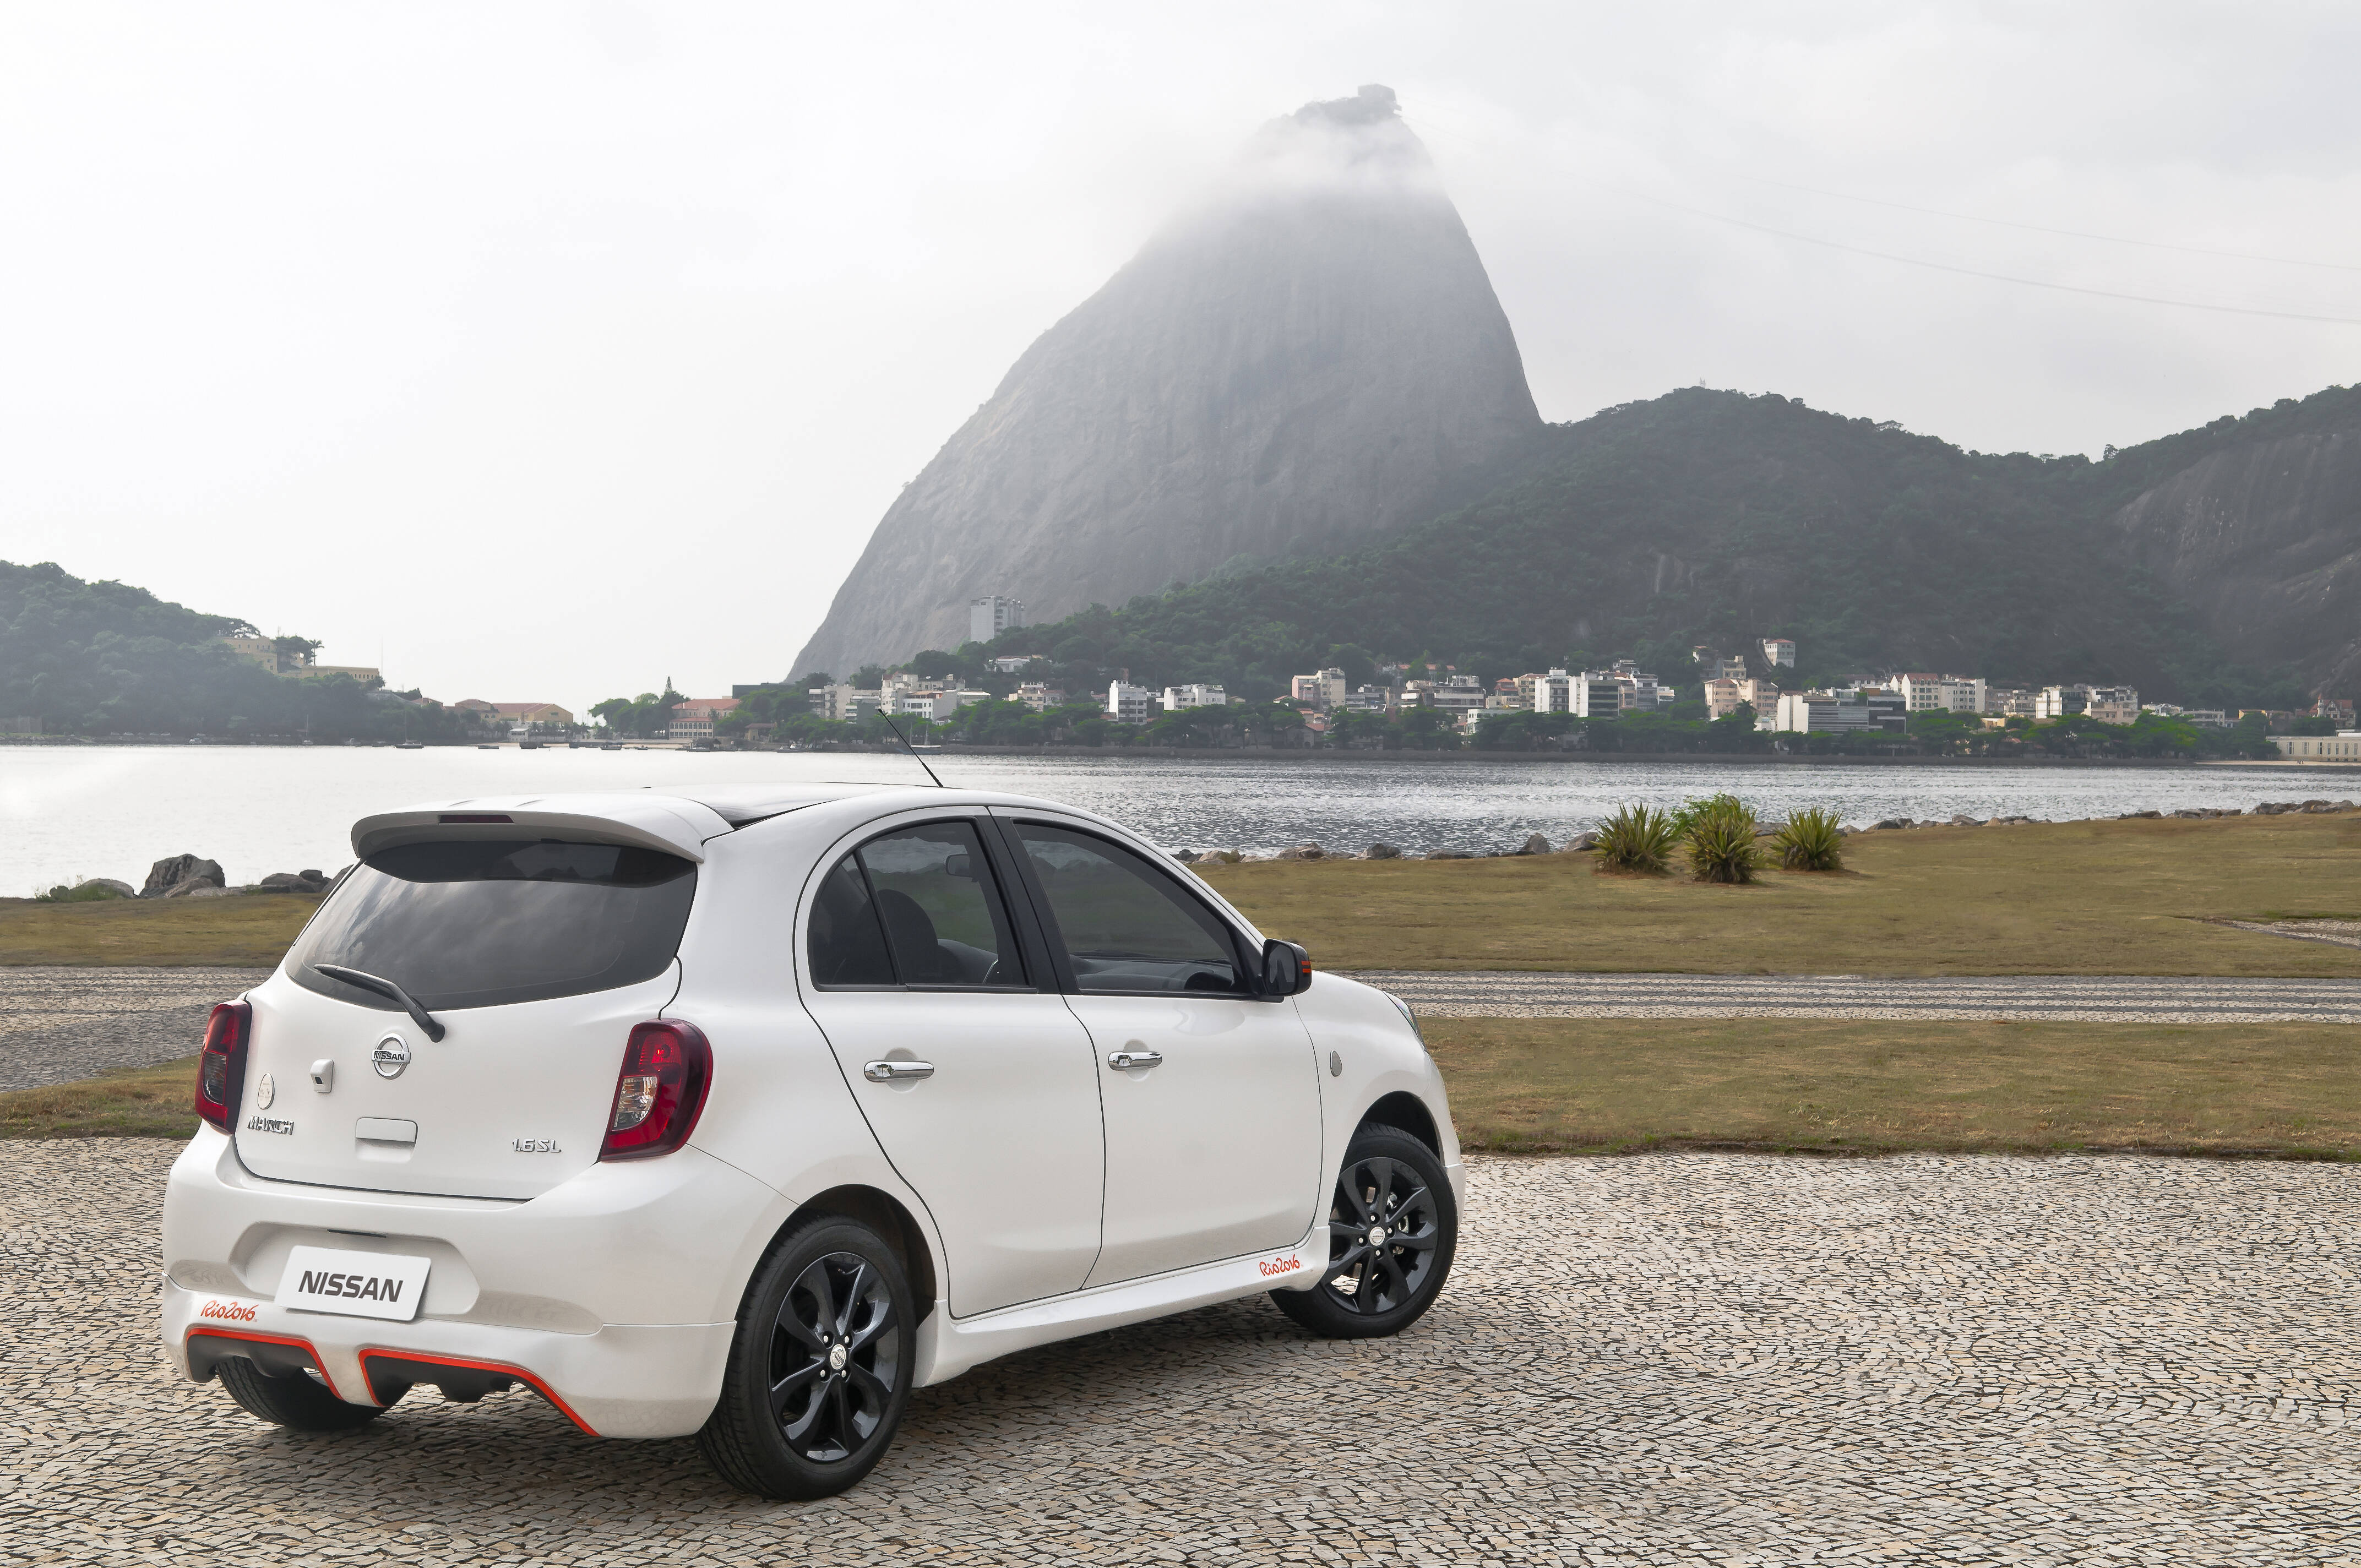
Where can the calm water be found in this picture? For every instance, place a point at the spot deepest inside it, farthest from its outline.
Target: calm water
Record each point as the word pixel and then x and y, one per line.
pixel 73 812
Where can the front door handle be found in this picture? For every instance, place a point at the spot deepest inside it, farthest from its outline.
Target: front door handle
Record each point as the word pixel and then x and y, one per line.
pixel 1119 1060
pixel 892 1071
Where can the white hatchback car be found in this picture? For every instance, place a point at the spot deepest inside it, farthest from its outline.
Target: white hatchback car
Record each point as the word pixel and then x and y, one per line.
pixel 743 1113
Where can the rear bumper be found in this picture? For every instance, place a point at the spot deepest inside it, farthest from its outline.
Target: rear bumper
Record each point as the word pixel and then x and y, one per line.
pixel 621 1381
pixel 613 1295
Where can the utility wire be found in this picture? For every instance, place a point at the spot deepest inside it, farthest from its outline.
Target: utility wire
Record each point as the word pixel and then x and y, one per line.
pixel 2070 233
pixel 1995 277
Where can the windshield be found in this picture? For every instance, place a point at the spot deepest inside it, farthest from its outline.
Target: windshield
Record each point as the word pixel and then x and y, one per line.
pixel 481 924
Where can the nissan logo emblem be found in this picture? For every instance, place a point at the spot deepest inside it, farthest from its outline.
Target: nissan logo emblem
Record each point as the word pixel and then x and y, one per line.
pixel 392 1054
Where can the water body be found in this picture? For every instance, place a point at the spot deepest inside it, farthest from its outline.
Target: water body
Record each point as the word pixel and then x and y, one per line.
pixel 73 812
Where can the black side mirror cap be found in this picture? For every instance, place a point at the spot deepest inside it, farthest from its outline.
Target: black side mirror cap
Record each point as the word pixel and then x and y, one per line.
pixel 1286 969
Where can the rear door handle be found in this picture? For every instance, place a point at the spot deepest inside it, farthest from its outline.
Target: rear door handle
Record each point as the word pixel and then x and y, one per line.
pixel 1119 1060
pixel 889 1071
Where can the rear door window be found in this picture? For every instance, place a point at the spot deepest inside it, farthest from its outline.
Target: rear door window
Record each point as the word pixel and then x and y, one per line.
pixel 485 923
pixel 1126 926
pixel 914 907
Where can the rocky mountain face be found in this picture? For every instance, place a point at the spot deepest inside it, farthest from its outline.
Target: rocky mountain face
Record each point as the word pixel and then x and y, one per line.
pixel 1308 357
pixel 2263 539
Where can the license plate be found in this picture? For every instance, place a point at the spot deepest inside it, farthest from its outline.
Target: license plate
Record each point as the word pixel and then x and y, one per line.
pixel 355 1284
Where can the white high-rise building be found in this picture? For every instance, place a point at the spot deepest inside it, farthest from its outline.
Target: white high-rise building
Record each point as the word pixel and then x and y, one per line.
pixel 1777 652
pixel 1128 702
pixel 1195 695
pixel 990 616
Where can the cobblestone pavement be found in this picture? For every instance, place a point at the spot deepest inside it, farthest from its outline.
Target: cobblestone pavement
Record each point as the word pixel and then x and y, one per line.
pixel 1676 1359
pixel 2134 999
pixel 59 1022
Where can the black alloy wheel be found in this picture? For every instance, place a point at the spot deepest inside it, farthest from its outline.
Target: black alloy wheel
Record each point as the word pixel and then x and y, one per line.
pixel 820 1369
pixel 1392 1229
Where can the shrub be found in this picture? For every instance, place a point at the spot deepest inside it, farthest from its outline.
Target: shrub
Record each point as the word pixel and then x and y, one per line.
pixel 1636 838
pixel 1722 841
pixel 1810 842
pixel 85 893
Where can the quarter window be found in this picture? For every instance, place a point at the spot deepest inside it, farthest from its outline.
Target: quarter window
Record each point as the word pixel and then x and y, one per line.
pixel 918 906
pixel 1126 926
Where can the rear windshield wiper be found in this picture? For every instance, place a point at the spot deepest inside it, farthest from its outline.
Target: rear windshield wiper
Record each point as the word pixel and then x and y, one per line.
pixel 390 990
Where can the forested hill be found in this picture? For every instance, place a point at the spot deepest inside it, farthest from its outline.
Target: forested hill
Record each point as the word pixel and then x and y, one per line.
pixel 108 658
pixel 1716 518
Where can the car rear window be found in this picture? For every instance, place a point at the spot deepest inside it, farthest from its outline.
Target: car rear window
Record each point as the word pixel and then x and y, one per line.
pixel 481 924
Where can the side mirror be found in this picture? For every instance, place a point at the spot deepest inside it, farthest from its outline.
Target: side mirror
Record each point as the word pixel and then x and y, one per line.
pixel 958 866
pixel 1286 969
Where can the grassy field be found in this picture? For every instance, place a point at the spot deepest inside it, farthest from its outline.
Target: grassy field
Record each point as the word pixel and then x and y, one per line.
pixel 1603 1086
pixel 133 1102
pixel 1615 1085
pixel 251 931
pixel 2067 898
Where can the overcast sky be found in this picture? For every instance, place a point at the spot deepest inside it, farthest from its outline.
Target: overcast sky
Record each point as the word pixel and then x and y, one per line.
pixel 545 350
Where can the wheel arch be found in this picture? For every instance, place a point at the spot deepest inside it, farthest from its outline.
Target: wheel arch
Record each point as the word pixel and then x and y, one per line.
pixel 1407 1112
pixel 885 1215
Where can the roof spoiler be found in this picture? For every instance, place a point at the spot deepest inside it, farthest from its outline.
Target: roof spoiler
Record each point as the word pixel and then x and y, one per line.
pixel 667 824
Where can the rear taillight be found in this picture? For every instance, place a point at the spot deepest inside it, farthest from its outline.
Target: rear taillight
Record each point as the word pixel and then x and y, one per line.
pixel 221 1071
pixel 660 1091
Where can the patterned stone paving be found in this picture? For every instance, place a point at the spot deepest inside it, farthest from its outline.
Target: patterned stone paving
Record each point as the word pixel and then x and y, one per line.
pixel 1682 1359
pixel 58 1023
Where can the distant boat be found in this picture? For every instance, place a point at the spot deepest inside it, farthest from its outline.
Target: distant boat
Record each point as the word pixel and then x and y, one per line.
pixel 528 745
pixel 484 748
pixel 409 745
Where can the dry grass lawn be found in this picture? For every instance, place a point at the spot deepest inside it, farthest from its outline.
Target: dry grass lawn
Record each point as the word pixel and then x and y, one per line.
pixel 1614 1085
pixel 249 931
pixel 128 1102
pixel 2066 898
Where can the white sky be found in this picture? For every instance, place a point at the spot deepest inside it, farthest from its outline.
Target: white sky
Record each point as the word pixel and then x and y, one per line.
pixel 544 350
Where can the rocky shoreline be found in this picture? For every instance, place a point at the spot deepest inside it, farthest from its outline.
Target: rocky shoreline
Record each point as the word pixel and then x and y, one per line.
pixel 1539 844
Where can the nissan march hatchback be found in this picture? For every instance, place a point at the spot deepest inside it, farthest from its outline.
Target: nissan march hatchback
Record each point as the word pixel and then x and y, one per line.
pixel 743 1114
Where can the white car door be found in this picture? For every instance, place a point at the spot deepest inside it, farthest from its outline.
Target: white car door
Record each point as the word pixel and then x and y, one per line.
pixel 1212 1093
pixel 980 1084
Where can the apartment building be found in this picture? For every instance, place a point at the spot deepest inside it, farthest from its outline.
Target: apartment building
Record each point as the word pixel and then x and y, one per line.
pixel 1040 696
pixel 1926 693
pixel 1825 712
pixel 1195 695
pixel 844 703
pixel 1778 652
pixel 1323 691
pixel 1126 702
pixel 991 615
pixel 693 719
pixel 2062 701
pixel 1552 692
pixel 2344 746
pixel 1598 694
pixel 2115 704
pixel 2009 702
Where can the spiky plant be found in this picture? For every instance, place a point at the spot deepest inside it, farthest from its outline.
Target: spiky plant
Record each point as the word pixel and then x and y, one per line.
pixel 1636 838
pixel 1722 841
pixel 1809 841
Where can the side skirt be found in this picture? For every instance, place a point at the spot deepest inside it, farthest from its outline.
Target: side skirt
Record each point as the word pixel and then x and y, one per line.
pixel 948 1346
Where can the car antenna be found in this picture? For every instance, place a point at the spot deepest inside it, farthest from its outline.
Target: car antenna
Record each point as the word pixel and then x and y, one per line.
pixel 906 746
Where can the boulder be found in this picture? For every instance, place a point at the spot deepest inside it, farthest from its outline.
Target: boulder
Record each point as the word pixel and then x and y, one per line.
pixel 1585 839
pixel 289 882
pixel 1185 857
pixel 1890 822
pixel 1962 819
pixel 167 874
pixel 2139 815
pixel 196 887
pixel 1302 852
pixel 1534 844
pixel 1382 853
pixel 114 889
pixel 1449 855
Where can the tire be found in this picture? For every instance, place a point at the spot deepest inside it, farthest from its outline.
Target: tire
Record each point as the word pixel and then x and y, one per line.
pixel 819 1372
pixel 1392 1183
pixel 293 1401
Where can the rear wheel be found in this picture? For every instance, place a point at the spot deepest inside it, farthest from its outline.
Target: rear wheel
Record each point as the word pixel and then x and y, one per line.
pixel 820 1369
pixel 1392 1229
pixel 291 1399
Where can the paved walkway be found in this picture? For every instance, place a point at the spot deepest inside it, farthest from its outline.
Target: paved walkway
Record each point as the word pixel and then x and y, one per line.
pixel 60 1023
pixel 1692 1359
pixel 2140 999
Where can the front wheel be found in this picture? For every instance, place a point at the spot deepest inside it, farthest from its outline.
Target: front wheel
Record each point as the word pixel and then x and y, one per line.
pixel 1392 1229
pixel 820 1369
